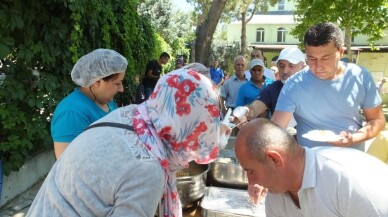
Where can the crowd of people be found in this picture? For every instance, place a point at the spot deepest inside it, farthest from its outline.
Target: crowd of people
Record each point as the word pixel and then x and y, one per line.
pixel 123 161
pixel 328 94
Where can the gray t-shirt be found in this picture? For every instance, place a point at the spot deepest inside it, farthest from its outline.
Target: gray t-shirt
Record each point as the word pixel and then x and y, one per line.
pixel 105 171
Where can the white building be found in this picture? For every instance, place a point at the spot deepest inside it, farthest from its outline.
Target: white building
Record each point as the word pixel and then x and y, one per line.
pixel 270 32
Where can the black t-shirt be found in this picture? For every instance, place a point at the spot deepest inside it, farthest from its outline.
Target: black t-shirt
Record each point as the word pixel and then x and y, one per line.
pixel 270 94
pixel 156 70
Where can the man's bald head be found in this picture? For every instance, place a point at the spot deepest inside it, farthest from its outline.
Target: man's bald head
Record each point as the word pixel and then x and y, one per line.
pixel 260 135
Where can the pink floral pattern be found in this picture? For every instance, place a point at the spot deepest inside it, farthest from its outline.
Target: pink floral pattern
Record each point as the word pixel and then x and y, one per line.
pixel 179 123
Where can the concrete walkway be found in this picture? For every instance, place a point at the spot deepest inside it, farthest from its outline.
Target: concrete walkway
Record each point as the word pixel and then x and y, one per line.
pixel 19 206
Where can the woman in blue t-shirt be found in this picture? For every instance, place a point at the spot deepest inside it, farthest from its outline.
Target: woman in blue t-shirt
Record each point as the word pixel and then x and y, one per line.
pixel 99 75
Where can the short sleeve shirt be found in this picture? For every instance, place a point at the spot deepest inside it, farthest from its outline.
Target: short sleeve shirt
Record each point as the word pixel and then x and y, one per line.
pixel 73 114
pixel 269 95
pixel 216 75
pixel 336 182
pixel 156 70
pixel 249 91
pixel 328 104
pixel 229 90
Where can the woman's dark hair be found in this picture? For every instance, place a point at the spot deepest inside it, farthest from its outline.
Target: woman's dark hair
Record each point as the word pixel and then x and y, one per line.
pixel 110 77
pixel 164 54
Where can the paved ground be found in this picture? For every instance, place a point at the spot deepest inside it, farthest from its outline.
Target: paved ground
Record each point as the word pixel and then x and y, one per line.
pixel 19 206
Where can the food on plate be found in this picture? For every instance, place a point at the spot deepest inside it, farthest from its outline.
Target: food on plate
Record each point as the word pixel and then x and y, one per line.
pixel 322 136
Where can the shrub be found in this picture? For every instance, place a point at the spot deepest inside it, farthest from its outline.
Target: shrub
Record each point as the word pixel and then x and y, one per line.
pixel 39 43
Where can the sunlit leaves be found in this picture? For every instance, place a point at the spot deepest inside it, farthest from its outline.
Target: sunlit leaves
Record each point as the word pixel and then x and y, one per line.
pixel 368 17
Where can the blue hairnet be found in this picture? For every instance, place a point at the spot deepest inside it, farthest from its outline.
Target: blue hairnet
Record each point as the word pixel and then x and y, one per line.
pixel 97 64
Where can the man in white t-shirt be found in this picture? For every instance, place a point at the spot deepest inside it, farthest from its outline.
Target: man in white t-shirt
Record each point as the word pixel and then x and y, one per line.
pixel 321 181
pixel 258 54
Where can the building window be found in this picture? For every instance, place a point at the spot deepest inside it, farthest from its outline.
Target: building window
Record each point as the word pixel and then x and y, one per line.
pixel 281 5
pixel 281 35
pixel 260 35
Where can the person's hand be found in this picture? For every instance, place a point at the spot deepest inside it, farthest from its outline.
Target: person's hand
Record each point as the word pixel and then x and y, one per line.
pixel 256 193
pixel 226 130
pixel 239 114
pixel 240 121
pixel 345 139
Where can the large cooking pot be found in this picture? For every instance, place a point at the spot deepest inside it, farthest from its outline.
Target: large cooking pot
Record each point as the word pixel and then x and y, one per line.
pixel 226 171
pixel 191 183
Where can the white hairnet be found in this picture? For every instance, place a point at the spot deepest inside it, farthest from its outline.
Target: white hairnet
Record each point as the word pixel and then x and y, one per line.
pixel 97 64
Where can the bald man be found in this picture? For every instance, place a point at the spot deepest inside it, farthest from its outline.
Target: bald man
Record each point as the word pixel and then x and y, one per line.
pixel 322 181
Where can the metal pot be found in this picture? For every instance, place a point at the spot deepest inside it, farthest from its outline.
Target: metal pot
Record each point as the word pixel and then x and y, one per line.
pixel 191 183
pixel 226 171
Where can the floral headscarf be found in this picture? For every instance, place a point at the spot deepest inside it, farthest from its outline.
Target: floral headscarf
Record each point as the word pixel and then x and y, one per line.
pixel 180 122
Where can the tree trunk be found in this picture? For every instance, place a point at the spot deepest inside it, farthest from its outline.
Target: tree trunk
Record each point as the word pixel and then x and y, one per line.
pixel 192 52
pixel 243 34
pixel 206 30
pixel 244 23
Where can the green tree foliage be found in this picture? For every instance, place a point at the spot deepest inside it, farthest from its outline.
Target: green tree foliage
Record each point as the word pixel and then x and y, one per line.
pixel 244 11
pixel 159 13
pixel 201 9
pixel 161 46
pixel 205 30
pixel 39 44
pixel 174 28
pixel 180 49
pixel 216 47
pixel 367 17
pixel 208 15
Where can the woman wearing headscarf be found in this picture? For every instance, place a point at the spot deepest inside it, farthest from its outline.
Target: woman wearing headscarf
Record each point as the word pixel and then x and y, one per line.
pixel 125 163
pixel 99 74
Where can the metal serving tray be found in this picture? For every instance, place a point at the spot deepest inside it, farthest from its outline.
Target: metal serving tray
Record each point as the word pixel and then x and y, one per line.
pixel 226 202
pixel 226 171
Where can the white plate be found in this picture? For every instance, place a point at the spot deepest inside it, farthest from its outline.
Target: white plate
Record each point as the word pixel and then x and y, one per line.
pixel 322 136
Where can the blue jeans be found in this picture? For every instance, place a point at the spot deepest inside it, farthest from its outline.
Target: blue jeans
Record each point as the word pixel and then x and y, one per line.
pixel 148 91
